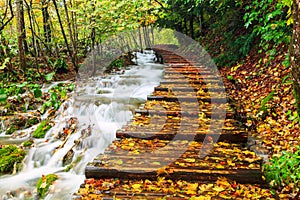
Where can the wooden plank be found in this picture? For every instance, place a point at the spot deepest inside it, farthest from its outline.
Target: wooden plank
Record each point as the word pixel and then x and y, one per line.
pixel 189 113
pixel 185 98
pixel 183 71
pixel 184 89
pixel 185 82
pixel 238 137
pixel 253 176
pixel 128 158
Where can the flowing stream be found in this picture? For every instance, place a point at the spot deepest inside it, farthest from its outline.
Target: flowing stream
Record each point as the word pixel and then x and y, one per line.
pixel 97 108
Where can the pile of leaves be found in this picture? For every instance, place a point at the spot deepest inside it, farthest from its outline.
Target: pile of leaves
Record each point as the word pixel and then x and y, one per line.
pixel 262 88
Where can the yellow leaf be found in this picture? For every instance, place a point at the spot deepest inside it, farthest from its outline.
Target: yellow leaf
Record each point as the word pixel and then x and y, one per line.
pixel 219 166
pixel 118 162
pixel 155 163
pixel 131 144
pixel 218 189
pixel 190 160
pixel 223 182
pixel 136 186
pixel 192 188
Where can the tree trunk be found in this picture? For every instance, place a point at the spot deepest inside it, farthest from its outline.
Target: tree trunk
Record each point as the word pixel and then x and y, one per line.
pixel 192 27
pixel 46 24
pixel 30 14
pixel 185 26
pixel 295 53
pixel 64 35
pixel 74 52
pixel 21 31
pixel 140 38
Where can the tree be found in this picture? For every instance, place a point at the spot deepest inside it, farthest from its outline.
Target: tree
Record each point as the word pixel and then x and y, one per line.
pixel 21 32
pixel 6 18
pixel 71 54
pixel 46 23
pixel 295 52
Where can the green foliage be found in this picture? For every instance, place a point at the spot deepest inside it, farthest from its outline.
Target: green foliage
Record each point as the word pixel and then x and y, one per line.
pixel 41 129
pixel 37 93
pixel 59 65
pixel 118 63
pixel 10 130
pixel 270 21
pixel 3 66
pixel 27 143
pixel 57 95
pixel 44 183
pixel 3 95
pixel 235 49
pixel 49 76
pixel 283 170
pixel 9 155
pixel 165 36
pixel 293 116
pixel 263 106
pixel 15 89
pixel 230 78
pixel 31 121
pixel 76 161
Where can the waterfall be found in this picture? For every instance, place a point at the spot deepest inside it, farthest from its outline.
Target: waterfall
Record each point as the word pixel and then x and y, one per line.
pixel 97 108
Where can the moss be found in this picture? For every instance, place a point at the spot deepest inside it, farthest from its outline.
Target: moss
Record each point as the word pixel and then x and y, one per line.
pixel 11 129
pixel 31 122
pixel 44 183
pixel 9 155
pixel 77 160
pixel 27 143
pixel 41 129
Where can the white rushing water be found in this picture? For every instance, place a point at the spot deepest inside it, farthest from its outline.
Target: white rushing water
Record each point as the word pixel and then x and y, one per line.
pixel 101 105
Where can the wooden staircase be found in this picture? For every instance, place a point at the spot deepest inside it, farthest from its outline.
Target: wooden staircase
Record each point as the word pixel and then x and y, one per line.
pixel 181 133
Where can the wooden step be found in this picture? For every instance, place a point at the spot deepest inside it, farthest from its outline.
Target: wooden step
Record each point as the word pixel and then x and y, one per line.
pixel 229 136
pixel 189 113
pixel 184 89
pixel 186 82
pixel 183 71
pixel 185 98
pixel 134 159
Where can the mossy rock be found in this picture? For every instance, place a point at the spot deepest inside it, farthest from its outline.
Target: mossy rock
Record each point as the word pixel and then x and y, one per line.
pixel 9 155
pixel 10 130
pixel 44 183
pixel 32 121
pixel 27 143
pixel 41 130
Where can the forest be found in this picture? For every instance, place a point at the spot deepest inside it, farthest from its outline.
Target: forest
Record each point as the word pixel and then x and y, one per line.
pixel 47 46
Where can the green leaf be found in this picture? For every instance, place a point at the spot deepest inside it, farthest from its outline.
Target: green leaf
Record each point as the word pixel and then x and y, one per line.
pixel 3 95
pixel 49 76
pixel 54 96
pixel 3 66
pixel 37 93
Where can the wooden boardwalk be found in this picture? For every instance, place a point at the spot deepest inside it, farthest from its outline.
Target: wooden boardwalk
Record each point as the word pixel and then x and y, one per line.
pixel 172 136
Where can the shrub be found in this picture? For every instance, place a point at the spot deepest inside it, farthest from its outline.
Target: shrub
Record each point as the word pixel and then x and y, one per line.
pixel 283 170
